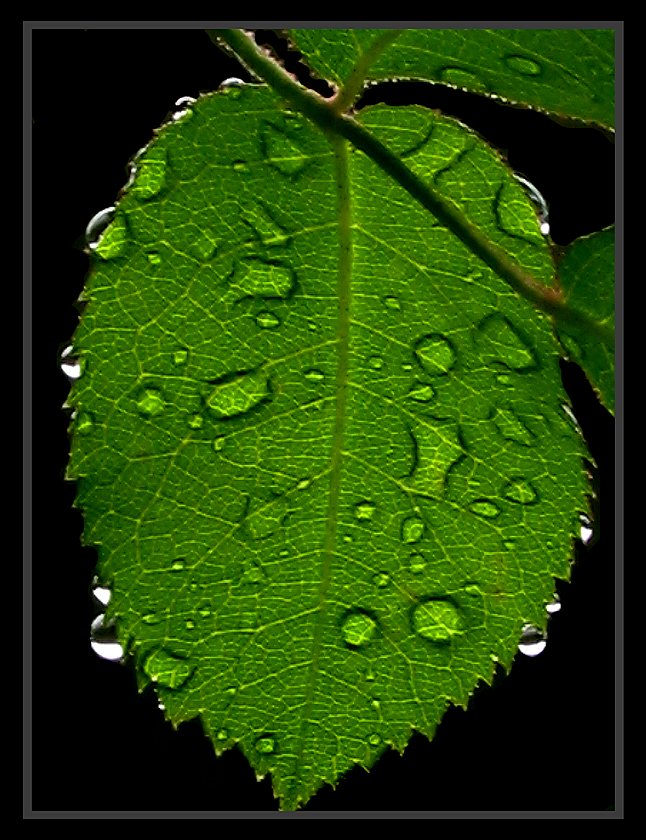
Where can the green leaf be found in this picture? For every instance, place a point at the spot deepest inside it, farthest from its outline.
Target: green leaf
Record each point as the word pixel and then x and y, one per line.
pixel 319 443
pixel 587 273
pixel 564 71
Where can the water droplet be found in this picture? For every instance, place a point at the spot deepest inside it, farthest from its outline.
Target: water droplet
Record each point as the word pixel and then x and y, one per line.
pixel 381 579
pixel 201 243
pixel 539 203
pixel 150 403
pixel 222 734
pixel 252 572
pixel 182 108
pixel 190 625
pixel 240 166
pixel 374 740
pixel 314 375
pixel 84 423
pixel 238 394
pixel 509 544
pixel 195 421
pixel 167 669
pixel 70 365
pixel 281 151
pixel 523 65
pixel 266 745
pixel 520 490
pixel 364 511
pixel 150 618
pixel 511 427
pixel 358 629
pixel 462 78
pixel 267 320
pixel 101 594
pixel 150 174
pixel 555 605
pixel 103 639
pixel 178 565
pixel 218 443
pixel 303 484
pixel 437 620
pixel 180 357
pixel 391 302
pixel 154 257
pixel 421 392
pixel 586 529
pixel 499 341
pixel 257 278
pixel 532 641
pixel 505 380
pixel 263 224
pixel 232 87
pixel 266 519
pixel 485 508
pixel 412 529
pixel 416 563
pixel 106 235
pixel 435 354
pixel 375 362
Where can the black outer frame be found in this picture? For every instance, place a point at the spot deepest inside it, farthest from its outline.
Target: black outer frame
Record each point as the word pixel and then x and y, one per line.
pixel 542 739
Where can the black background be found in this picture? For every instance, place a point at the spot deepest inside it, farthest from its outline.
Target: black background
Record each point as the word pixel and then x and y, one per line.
pixel 542 739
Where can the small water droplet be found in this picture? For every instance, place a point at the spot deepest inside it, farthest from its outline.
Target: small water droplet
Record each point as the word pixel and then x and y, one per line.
pixel 539 203
pixel 532 641
pixel 436 354
pixel 190 625
pixel 70 365
pixel 416 563
pixel 375 362
pixel 314 375
pixel 101 594
pixel 374 740
pixel 485 508
pixel 180 357
pixel 150 174
pixel 240 165
pixel 421 392
pixel 586 529
pixel 238 394
pixel 381 579
pixel 358 629
pixel 106 235
pixel 263 224
pixel 462 78
pixel 103 639
pixel 84 423
pixel 150 618
pixel 167 669
pixel 178 565
pixel 218 443
pixel 303 484
pixel 266 518
pixel 391 302
pixel 520 490
pixel 499 341
pixel 267 320
pixel 511 427
pixel 555 605
pixel 232 87
pixel 196 421
pixel 412 529
pixel 150 403
pixel 222 734
pixel 182 108
pixel 364 511
pixel 437 620
pixel 154 257
pixel 266 745
pixel 523 65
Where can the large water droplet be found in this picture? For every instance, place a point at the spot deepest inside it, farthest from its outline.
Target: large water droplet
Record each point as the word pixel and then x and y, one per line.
pixel 150 403
pixel 521 491
pixel 239 393
pixel 168 669
pixel 499 341
pixel 281 151
pixel 103 639
pixel 182 108
pixel 421 392
pixel 523 65
pixel 438 620
pixel 258 278
pixel 70 364
pixel 532 641
pixel 412 529
pixel 539 203
pixel 435 354
pixel 101 594
pixel 358 629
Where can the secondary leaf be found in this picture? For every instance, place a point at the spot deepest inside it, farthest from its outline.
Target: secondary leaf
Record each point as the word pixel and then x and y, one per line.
pixel 321 446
